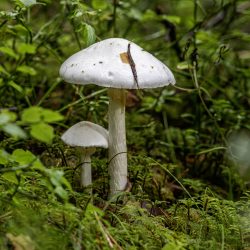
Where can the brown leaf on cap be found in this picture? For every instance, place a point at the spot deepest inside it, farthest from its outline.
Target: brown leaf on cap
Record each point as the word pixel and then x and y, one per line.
pixel 124 57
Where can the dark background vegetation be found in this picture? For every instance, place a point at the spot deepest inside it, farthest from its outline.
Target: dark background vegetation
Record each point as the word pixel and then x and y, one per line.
pixel 188 145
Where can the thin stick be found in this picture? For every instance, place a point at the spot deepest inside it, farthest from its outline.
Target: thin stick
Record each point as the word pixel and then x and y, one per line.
pixel 132 65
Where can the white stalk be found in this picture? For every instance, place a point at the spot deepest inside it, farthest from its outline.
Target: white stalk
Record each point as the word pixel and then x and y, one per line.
pixel 86 175
pixel 117 141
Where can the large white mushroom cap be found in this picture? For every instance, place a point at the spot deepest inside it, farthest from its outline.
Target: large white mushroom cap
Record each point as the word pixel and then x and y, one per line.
pixel 105 64
pixel 86 134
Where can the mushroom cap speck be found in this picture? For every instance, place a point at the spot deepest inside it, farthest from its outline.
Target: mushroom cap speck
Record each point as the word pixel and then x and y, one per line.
pixel 107 64
pixel 86 134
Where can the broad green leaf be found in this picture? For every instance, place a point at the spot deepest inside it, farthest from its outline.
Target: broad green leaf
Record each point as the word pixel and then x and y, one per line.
pixel 23 157
pixel 6 117
pixel 55 176
pixel 26 70
pixel 8 51
pixel 135 14
pixel 99 4
pixel 65 182
pixel 31 115
pixel 42 132
pixel 4 157
pixel 25 48
pixel 172 19
pixel 20 29
pixel 60 191
pixel 28 3
pixel 37 114
pixel 48 115
pixel 89 34
pixel 15 86
pixel 57 179
pixel 10 176
pixel 150 15
pixel 14 130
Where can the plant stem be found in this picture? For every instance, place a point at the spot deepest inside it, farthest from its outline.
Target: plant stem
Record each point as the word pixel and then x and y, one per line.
pixel 114 31
pixel 205 106
pixel 83 99
pixel 117 141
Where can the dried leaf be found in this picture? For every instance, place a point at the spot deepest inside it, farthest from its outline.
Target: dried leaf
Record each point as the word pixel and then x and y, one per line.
pixel 21 242
pixel 124 57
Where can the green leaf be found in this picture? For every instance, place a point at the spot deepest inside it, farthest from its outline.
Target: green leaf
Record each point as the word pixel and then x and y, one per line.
pixel 55 176
pixel 150 15
pixel 6 117
pixel 8 51
pixel 135 14
pixel 173 19
pixel 28 3
pixel 58 180
pixel 27 70
pixel 25 48
pixel 37 114
pixel 89 34
pixel 4 157
pixel 42 132
pixel 99 4
pixel 48 115
pixel 60 191
pixel 31 115
pixel 14 130
pixel 15 86
pixel 23 157
pixel 20 29
pixel 10 176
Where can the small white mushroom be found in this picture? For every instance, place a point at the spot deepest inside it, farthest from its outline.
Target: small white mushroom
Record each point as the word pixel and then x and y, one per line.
pixel 87 136
pixel 118 64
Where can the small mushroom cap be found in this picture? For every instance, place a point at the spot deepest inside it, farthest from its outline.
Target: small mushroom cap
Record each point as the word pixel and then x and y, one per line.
pixel 107 64
pixel 86 134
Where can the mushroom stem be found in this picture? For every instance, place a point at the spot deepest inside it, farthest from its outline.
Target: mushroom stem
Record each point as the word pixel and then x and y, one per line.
pixel 117 141
pixel 86 176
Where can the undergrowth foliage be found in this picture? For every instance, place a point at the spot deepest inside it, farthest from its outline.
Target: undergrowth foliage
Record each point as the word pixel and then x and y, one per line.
pixel 188 145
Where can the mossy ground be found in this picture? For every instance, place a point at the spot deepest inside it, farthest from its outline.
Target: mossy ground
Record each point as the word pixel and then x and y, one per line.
pixel 188 144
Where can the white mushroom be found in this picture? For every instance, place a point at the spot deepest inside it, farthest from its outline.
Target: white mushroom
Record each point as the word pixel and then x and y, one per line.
pixel 88 136
pixel 118 64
